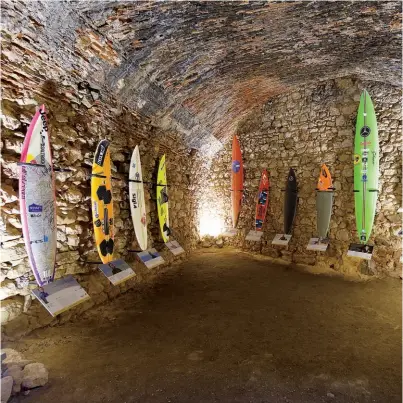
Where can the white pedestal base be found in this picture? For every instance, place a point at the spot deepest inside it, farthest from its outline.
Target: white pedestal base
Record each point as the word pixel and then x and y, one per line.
pixel 360 251
pixel 61 295
pixel 151 258
pixel 278 239
pixel 314 244
pixel 254 236
pixel 117 271
pixel 174 247
pixel 230 232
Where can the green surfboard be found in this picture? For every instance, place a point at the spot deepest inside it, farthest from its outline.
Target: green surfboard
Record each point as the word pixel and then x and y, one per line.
pixel 366 167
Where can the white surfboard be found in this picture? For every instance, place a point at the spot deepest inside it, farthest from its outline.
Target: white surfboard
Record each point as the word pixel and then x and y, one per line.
pixel 137 203
pixel 37 199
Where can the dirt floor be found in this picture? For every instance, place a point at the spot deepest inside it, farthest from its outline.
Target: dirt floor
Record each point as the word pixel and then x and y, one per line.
pixel 226 326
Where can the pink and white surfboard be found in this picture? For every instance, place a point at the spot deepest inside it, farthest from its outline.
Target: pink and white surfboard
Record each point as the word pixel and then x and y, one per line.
pixel 37 199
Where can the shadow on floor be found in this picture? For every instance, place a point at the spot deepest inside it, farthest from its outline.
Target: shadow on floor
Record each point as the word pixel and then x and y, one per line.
pixel 226 326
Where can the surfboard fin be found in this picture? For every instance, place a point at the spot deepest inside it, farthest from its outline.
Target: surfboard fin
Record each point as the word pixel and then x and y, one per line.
pixel 106 247
pixel 103 247
pixel 166 229
pixel 164 196
pixel 101 192
pixel 109 246
pixel 108 197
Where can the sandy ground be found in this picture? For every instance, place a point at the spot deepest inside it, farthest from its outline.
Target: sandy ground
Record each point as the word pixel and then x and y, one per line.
pixel 226 326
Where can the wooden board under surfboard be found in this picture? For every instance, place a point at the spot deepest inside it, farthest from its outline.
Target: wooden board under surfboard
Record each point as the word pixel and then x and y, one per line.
pixel 38 200
pixel 261 208
pixel 324 203
pixel 366 174
pixel 136 199
pixel 290 209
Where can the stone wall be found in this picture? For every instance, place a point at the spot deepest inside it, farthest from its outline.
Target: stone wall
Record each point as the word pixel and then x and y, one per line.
pixel 139 73
pixel 201 66
pixel 76 126
pixel 304 129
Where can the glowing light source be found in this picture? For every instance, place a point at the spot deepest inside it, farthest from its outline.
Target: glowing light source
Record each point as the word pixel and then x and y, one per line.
pixel 210 223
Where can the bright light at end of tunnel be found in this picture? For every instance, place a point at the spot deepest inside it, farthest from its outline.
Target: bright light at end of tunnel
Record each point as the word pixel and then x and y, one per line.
pixel 210 223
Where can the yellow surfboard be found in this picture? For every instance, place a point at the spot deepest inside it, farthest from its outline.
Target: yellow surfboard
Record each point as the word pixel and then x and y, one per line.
pixel 162 200
pixel 102 203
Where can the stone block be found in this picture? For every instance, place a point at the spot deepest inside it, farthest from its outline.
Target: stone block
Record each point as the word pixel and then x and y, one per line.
pixel 10 309
pixel 6 388
pixel 34 375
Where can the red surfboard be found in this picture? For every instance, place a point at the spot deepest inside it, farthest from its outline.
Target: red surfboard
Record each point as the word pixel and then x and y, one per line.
pixel 236 181
pixel 262 200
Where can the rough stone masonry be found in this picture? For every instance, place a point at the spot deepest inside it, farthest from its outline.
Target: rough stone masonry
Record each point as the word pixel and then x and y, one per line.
pixel 304 129
pixel 173 78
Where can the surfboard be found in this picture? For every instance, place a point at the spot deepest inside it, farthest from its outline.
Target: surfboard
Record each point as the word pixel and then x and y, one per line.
pixel 290 202
pixel 366 167
pixel 324 202
pixel 262 201
pixel 102 202
pixel 162 200
pixel 137 202
pixel 236 181
pixel 38 200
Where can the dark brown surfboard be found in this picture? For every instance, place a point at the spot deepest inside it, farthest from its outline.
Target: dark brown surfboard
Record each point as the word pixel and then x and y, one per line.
pixel 290 201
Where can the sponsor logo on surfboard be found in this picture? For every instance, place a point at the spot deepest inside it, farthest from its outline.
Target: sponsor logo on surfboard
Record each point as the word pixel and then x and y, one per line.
pixel 95 207
pixel 35 208
pixel 45 239
pixel 44 122
pixel 43 135
pixel 236 166
pixel 42 149
pixel 134 200
pixel 23 181
pixel 101 155
pixel 365 131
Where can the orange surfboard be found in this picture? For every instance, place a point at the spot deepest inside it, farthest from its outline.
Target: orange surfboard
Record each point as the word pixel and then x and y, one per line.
pixel 236 180
pixel 325 180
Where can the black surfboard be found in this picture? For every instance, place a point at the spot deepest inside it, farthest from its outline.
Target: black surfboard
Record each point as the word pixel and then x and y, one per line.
pixel 290 201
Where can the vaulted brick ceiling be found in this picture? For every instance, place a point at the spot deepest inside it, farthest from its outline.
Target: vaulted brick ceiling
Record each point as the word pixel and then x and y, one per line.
pixel 201 66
